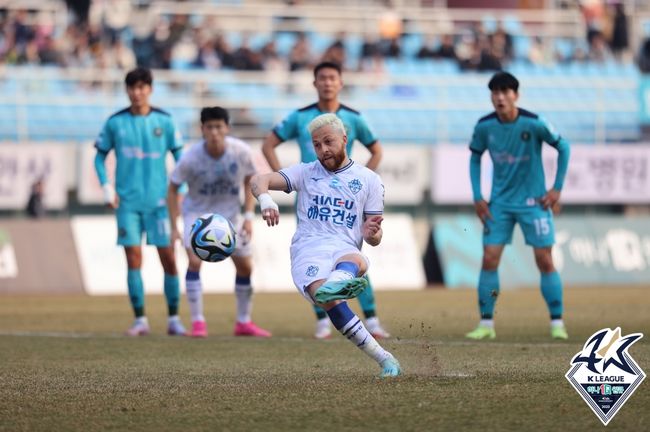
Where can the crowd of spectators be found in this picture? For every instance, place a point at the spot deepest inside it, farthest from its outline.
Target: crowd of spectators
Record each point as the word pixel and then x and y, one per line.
pixel 121 34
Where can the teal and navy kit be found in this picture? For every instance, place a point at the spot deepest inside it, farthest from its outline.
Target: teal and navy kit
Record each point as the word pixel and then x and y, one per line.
pixel 141 143
pixel 518 176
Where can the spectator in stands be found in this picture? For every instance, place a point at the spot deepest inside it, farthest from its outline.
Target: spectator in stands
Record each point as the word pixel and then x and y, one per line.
pixel 390 29
pixel 271 58
pixel 619 42
pixel 300 55
pixel 446 50
pixel 371 59
pixel 428 49
pixel 335 53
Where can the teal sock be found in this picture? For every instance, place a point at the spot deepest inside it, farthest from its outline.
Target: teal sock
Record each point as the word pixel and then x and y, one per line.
pixel 552 292
pixel 136 291
pixel 367 300
pixel 172 293
pixel 488 291
pixel 320 312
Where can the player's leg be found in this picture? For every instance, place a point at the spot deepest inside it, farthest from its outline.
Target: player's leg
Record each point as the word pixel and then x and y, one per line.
pixel 551 286
pixel 539 232
pixel 351 326
pixel 244 293
pixel 367 303
pixel 194 293
pixel 159 235
pixel 345 281
pixel 497 232
pixel 323 329
pixel 130 227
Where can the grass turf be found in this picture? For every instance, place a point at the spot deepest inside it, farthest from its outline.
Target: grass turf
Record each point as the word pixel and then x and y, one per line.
pixel 65 366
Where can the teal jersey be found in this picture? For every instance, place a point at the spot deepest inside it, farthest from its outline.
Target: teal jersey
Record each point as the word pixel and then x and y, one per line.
pixel 516 152
pixel 294 126
pixel 141 144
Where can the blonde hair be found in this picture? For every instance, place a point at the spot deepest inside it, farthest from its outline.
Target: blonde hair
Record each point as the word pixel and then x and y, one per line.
pixel 328 119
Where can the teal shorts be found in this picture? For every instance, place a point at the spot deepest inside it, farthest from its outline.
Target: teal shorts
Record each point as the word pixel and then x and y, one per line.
pixel 536 224
pixel 131 224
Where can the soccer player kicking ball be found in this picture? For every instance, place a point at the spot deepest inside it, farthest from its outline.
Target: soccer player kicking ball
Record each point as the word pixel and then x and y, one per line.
pixel 340 204
pixel 514 138
pixel 215 170
pixel 141 136
pixel 328 82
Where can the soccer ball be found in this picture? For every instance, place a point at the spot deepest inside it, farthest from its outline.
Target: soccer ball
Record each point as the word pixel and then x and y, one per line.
pixel 213 238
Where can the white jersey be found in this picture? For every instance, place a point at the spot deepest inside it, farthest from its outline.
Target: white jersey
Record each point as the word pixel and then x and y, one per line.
pixel 331 205
pixel 214 185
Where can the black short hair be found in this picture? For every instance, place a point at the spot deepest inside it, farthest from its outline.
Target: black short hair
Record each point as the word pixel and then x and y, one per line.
pixel 214 113
pixel 327 65
pixel 137 75
pixel 503 81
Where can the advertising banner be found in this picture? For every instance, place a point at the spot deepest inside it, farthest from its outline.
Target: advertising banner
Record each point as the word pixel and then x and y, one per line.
pixel 588 251
pixel 596 175
pixel 395 264
pixel 21 165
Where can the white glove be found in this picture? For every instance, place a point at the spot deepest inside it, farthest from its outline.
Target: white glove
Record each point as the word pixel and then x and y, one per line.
pixel 109 193
pixel 266 202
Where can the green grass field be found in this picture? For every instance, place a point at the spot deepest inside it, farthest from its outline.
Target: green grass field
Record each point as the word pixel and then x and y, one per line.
pixel 65 366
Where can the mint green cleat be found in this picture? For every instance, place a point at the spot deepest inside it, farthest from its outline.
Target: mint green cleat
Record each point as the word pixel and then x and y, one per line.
pixel 340 290
pixel 390 368
pixel 481 332
pixel 559 332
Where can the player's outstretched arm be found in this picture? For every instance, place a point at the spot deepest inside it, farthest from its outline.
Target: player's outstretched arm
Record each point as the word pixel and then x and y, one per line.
pixel 372 231
pixel 268 149
pixel 260 186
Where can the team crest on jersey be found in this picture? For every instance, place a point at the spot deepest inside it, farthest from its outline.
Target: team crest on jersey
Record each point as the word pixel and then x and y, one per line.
pixel 604 373
pixel 355 186
pixel 312 271
pixel 335 183
pixel 525 136
pixel 157 131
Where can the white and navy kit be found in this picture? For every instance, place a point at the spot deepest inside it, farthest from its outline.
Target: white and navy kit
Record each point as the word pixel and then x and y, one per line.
pixel 331 207
pixel 215 184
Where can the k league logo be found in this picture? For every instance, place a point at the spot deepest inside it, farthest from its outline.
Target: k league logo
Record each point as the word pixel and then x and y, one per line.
pixel 604 373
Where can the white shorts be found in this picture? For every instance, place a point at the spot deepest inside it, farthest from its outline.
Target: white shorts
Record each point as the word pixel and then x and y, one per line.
pixel 315 260
pixel 243 247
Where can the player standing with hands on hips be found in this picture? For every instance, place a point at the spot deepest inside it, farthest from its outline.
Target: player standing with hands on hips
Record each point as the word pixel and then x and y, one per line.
pixel 340 204
pixel 141 136
pixel 514 139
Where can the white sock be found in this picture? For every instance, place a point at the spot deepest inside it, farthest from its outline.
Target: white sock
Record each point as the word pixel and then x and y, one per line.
pixel 339 275
pixel 557 323
pixel 356 333
pixel 244 292
pixel 142 320
pixel 173 318
pixel 487 323
pixel 194 292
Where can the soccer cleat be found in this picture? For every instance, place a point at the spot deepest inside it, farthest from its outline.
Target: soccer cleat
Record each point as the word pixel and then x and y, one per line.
pixel 250 329
pixel 175 328
pixel 559 332
pixel 199 329
pixel 323 329
pixel 139 328
pixel 390 368
pixel 340 290
pixel 375 329
pixel 481 332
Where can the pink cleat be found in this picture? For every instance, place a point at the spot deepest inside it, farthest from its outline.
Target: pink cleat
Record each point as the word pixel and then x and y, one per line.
pixel 199 329
pixel 250 329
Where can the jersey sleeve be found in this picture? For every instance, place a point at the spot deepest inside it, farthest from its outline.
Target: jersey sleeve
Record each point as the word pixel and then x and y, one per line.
pixel 547 132
pixel 375 202
pixel 174 138
pixel 364 134
pixel 293 176
pixel 181 172
pixel 246 162
pixel 477 145
pixel 104 142
pixel 288 128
